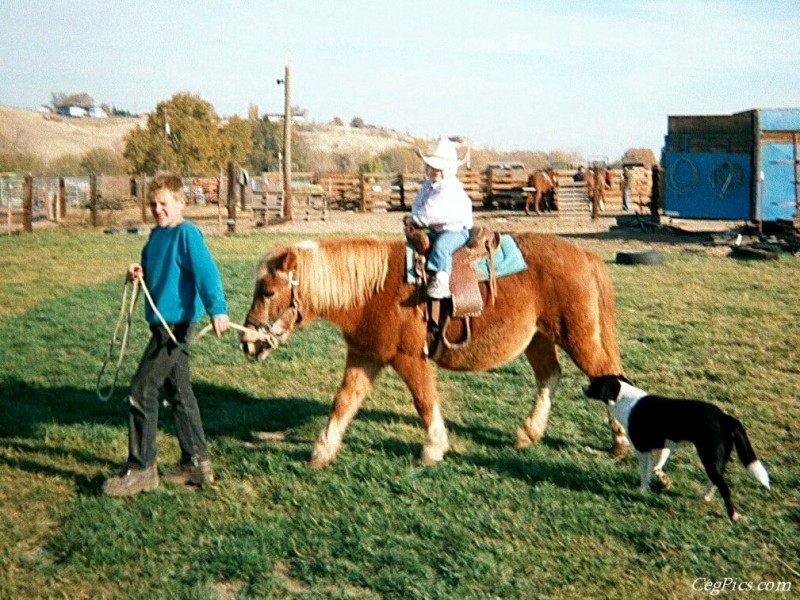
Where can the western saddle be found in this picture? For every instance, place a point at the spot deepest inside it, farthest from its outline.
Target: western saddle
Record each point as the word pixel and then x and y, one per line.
pixel 466 301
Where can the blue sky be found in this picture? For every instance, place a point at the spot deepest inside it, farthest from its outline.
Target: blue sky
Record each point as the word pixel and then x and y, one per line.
pixel 597 77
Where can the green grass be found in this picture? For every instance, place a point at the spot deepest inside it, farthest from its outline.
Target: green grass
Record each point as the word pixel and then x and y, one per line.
pixel 560 519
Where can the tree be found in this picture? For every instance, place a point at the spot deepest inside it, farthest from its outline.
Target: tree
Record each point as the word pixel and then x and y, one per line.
pixel 19 162
pixel 236 139
pixel 102 161
pixel 185 135
pixel 267 145
pixel 267 142
pixel 82 99
pixel 401 159
pixel 372 165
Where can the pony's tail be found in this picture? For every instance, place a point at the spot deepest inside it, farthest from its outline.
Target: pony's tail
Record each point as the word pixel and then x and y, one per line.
pixel 745 451
pixel 608 316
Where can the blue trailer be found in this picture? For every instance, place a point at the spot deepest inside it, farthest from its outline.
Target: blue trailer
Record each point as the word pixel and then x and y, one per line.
pixel 744 166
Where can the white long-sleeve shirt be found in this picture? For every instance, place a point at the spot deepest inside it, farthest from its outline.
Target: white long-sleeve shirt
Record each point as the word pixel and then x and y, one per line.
pixel 443 206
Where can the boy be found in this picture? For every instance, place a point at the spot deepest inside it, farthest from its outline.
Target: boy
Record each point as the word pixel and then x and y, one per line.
pixel 184 283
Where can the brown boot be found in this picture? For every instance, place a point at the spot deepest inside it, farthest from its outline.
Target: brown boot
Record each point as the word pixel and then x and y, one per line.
pixel 131 481
pixel 197 471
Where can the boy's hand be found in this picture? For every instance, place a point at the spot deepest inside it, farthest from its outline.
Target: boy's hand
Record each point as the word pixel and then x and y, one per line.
pixel 135 272
pixel 221 324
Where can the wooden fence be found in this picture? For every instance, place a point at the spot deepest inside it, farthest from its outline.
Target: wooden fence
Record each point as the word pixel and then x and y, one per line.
pixel 111 201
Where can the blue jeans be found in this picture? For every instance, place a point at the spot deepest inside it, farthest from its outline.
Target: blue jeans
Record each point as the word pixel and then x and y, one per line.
pixel 443 243
pixel 164 363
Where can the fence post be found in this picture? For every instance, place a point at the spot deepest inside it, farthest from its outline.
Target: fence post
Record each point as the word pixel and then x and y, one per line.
pixel 219 199
pixel 231 198
pixel 93 199
pixel 362 186
pixel 140 188
pixel 27 206
pixel 61 200
pixel 7 203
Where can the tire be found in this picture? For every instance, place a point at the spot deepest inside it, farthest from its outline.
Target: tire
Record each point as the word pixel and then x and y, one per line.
pixel 640 257
pixel 746 253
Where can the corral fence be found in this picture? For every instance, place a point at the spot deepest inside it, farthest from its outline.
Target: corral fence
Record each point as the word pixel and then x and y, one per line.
pixel 110 201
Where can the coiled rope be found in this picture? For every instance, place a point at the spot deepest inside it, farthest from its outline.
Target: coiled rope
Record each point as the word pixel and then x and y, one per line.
pixel 126 315
pixel 681 185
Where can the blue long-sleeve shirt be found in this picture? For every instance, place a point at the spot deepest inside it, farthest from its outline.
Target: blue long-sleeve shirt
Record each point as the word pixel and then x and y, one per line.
pixel 181 275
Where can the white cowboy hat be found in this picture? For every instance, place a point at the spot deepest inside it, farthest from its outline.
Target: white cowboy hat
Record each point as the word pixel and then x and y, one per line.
pixel 442 155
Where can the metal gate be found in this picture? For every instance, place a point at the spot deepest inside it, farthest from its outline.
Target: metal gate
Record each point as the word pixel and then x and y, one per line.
pixel 777 193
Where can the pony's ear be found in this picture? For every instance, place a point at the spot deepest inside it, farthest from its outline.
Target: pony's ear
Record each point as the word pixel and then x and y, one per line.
pixel 288 262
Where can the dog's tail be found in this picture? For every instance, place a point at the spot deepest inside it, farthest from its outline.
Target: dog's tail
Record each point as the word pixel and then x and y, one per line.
pixel 745 451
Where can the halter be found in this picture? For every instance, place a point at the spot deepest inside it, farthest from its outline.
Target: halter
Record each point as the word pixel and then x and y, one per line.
pixel 267 332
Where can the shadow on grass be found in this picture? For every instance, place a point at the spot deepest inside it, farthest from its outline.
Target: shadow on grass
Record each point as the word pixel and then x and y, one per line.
pixel 27 409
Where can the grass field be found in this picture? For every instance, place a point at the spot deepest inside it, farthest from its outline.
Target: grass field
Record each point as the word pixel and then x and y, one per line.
pixel 560 520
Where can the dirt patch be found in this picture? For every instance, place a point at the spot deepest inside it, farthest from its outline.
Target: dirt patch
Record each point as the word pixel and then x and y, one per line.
pixel 602 235
pixel 606 235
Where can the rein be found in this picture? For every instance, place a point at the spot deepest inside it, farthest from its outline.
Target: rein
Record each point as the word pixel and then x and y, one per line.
pixel 268 333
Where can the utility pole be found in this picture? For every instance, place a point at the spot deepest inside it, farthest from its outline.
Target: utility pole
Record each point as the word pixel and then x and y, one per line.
pixel 288 204
pixel 288 209
pixel 166 140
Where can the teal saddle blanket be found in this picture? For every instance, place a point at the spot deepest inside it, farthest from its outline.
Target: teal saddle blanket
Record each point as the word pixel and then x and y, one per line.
pixel 508 259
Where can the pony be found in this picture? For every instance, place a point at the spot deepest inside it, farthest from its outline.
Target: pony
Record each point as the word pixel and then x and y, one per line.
pixel 545 184
pixel 564 298
pixel 597 182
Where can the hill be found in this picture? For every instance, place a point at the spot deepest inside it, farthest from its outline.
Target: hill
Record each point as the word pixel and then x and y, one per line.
pixel 50 136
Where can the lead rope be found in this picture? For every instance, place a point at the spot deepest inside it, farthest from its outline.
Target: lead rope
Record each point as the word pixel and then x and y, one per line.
pixel 128 317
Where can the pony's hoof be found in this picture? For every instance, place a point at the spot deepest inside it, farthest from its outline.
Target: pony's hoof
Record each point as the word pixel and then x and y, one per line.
pixel 620 450
pixel 427 461
pixel 320 460
pixel 522 440
pixel 663 479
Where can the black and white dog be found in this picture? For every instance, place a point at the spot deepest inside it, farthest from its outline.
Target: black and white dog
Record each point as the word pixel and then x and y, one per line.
pixel 657 424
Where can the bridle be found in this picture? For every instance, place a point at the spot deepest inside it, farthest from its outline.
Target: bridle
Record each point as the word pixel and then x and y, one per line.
pixel 275 333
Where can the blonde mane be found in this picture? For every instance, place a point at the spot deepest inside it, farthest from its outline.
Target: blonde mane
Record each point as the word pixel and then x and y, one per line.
pixel 338 273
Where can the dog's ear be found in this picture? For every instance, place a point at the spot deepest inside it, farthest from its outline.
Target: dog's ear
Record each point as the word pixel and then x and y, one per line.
pixel 594 389
pixel 612 387
pixel 605 388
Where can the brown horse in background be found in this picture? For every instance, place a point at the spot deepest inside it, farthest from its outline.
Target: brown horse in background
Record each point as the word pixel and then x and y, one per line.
pixel 564 298
pixel 545 184
pixel 597 180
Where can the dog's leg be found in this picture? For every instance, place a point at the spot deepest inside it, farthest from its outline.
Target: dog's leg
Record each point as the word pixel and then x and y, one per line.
pixel 658 469
pixel 644 472
pixel 714 461
pixel 620 444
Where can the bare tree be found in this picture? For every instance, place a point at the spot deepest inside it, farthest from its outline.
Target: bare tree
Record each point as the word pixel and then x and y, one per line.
pixel 82 99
